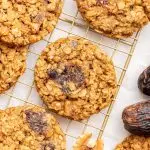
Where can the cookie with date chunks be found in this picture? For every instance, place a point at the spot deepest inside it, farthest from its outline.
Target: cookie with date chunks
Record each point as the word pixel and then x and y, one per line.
pixel 27 21
pixel 115 18
pixel 29 128
pixel 75 78
pixel 12 65
pixel 134 142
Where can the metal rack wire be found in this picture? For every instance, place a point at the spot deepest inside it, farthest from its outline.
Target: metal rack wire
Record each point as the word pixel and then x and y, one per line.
pixel 75 21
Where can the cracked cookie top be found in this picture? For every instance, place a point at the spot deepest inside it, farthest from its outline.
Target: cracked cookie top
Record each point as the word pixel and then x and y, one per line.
pixel 29 128
pixel 117 19
pixel 12 65
pixel 26 21
pixel 75 78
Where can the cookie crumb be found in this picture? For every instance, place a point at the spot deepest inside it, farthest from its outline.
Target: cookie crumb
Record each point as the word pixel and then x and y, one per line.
pixel 85 143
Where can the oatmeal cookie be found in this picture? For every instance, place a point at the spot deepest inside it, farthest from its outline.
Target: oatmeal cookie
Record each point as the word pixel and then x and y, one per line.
pixel 26 21
pixel 117 19
pixel 12 65
pixel 75 78
pixel 85 143
pixel 134 142
pixel 29 128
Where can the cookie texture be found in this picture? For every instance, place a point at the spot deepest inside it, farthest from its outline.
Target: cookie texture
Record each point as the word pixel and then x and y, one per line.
pixel 85 143
pixel 75 78
pixel 117 19
pixel 12 65
pixel 29 128
pixel 26 21
pixel 134 142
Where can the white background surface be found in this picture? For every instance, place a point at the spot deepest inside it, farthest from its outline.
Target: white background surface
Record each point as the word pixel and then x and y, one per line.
pixel 128 94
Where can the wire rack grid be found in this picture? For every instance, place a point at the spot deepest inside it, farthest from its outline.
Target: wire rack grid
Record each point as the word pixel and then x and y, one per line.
pixel 70 24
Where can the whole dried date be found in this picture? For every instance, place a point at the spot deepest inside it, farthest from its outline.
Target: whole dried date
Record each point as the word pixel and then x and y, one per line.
pixel 136 118
pixel 144 81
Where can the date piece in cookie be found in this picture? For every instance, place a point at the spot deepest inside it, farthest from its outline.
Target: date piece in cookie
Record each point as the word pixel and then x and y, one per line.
pixel 12 65
pixel 27 21
pixel 29 128
pixel 75 78
pixel 134 142
pixel 115 18
pixel 85 143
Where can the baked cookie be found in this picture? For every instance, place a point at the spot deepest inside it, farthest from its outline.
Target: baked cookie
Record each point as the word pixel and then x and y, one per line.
pixel 134 142
pixel 84 143
pixel 146 4
pixel 29 128
pixel 26 21
pixel 12 65
pixel 117 19
pixel 75 78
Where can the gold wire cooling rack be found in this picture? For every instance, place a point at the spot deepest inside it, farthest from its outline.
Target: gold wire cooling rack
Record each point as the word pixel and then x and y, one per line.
pixel 72 24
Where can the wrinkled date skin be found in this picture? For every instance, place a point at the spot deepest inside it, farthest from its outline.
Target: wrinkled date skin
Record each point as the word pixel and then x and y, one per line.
pixel 144 81
pixel 136 118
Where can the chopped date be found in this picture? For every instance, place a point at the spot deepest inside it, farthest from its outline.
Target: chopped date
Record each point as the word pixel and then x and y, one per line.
pixel 48 146
pixel 39 18
pixel 36 121
pixel 71 73
pixel 100 2
pixel 136 118
pixel 53 74
pixel 74 44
